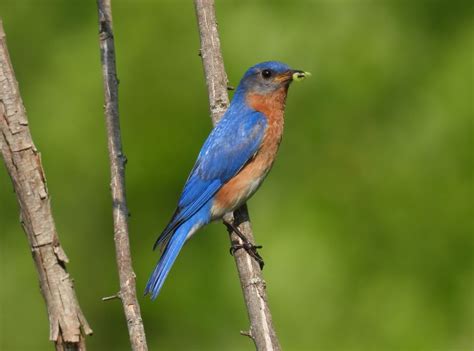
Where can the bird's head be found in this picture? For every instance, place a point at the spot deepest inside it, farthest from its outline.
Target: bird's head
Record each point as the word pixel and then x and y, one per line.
pixel 268 77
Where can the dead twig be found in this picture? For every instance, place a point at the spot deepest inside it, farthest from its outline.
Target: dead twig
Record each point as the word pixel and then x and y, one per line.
pixel 128 294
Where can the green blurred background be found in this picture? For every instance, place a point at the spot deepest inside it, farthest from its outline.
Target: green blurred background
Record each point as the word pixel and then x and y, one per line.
pixel 366 218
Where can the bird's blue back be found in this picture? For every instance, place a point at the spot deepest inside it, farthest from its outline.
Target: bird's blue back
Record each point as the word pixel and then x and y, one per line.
pixel 228 147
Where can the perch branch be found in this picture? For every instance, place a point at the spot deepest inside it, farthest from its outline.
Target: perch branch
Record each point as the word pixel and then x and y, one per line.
pixel 128 294
pixel 261 331
pixel 67 323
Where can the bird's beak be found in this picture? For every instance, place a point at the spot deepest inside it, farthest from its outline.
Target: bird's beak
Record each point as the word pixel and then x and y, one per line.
pixel 292 75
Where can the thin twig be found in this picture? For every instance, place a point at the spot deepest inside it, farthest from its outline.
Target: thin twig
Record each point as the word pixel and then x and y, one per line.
pixel 253 286
pixel 112 297
pixel 128 294
pixel 67 323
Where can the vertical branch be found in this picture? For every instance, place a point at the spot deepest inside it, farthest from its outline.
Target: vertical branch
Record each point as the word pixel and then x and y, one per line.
pixel 212 61
pixel 67 323
pixel 127 292
pixel 261 330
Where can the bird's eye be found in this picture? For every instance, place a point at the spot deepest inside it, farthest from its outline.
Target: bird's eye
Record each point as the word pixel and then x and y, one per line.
pixel 266 73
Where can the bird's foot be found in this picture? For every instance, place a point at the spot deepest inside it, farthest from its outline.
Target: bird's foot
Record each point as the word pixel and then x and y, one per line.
pixel 251 250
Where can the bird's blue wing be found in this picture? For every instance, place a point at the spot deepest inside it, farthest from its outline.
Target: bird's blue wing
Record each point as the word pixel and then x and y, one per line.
pixel 233 142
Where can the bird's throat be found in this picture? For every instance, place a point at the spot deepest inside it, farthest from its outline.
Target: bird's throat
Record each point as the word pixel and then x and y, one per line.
pixel 269 103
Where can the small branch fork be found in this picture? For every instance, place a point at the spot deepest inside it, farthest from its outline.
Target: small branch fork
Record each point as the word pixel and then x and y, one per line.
pixel 261 330
pixel 67 324
pixel 127 293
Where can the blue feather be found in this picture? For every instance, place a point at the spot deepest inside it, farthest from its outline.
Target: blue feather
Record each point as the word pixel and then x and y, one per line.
pixel 185 212
pixel 166 261
pixel 173 247
pixel 234 141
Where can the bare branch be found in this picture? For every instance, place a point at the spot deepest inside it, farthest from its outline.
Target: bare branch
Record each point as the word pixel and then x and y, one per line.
pixel 253 286
pixel 66 321
pixel 212 61
pixel 127 294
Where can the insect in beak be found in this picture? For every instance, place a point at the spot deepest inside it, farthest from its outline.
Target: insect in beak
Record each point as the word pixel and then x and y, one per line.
pixel 298 76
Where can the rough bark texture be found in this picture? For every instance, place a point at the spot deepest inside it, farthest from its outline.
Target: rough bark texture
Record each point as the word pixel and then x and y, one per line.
pixel 127 292
pixel 67 322
pixel 212 61
pixel 261 330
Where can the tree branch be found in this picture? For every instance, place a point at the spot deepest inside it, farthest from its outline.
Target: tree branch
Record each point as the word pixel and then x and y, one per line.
pixel 67 323
pixel 127 294
pixel 261 331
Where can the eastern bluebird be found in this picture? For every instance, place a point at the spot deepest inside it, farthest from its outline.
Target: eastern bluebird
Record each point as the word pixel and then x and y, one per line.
pixel 233 162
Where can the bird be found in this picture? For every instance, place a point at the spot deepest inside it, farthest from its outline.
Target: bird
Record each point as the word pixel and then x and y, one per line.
pixel 232 164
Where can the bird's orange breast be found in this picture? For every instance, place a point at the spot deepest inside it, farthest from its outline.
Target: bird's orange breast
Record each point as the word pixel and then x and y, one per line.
pixel 242 186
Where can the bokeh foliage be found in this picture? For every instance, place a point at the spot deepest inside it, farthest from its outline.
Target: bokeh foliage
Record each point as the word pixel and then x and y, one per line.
pixel 366 218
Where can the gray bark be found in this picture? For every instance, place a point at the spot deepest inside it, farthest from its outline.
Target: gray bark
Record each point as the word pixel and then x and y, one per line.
pixel 261 330
pixel 127 293
pixel 67 323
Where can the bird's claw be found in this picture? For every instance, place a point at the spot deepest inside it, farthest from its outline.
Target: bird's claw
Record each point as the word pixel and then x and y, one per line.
pixel 251 250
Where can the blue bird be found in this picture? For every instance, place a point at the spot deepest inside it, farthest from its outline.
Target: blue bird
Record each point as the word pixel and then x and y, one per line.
pixel 233 162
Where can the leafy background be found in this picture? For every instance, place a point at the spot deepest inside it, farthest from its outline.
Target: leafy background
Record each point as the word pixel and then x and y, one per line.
pixel 366 219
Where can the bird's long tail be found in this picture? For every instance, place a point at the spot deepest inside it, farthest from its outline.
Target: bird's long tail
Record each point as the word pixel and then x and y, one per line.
pixel 167 259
